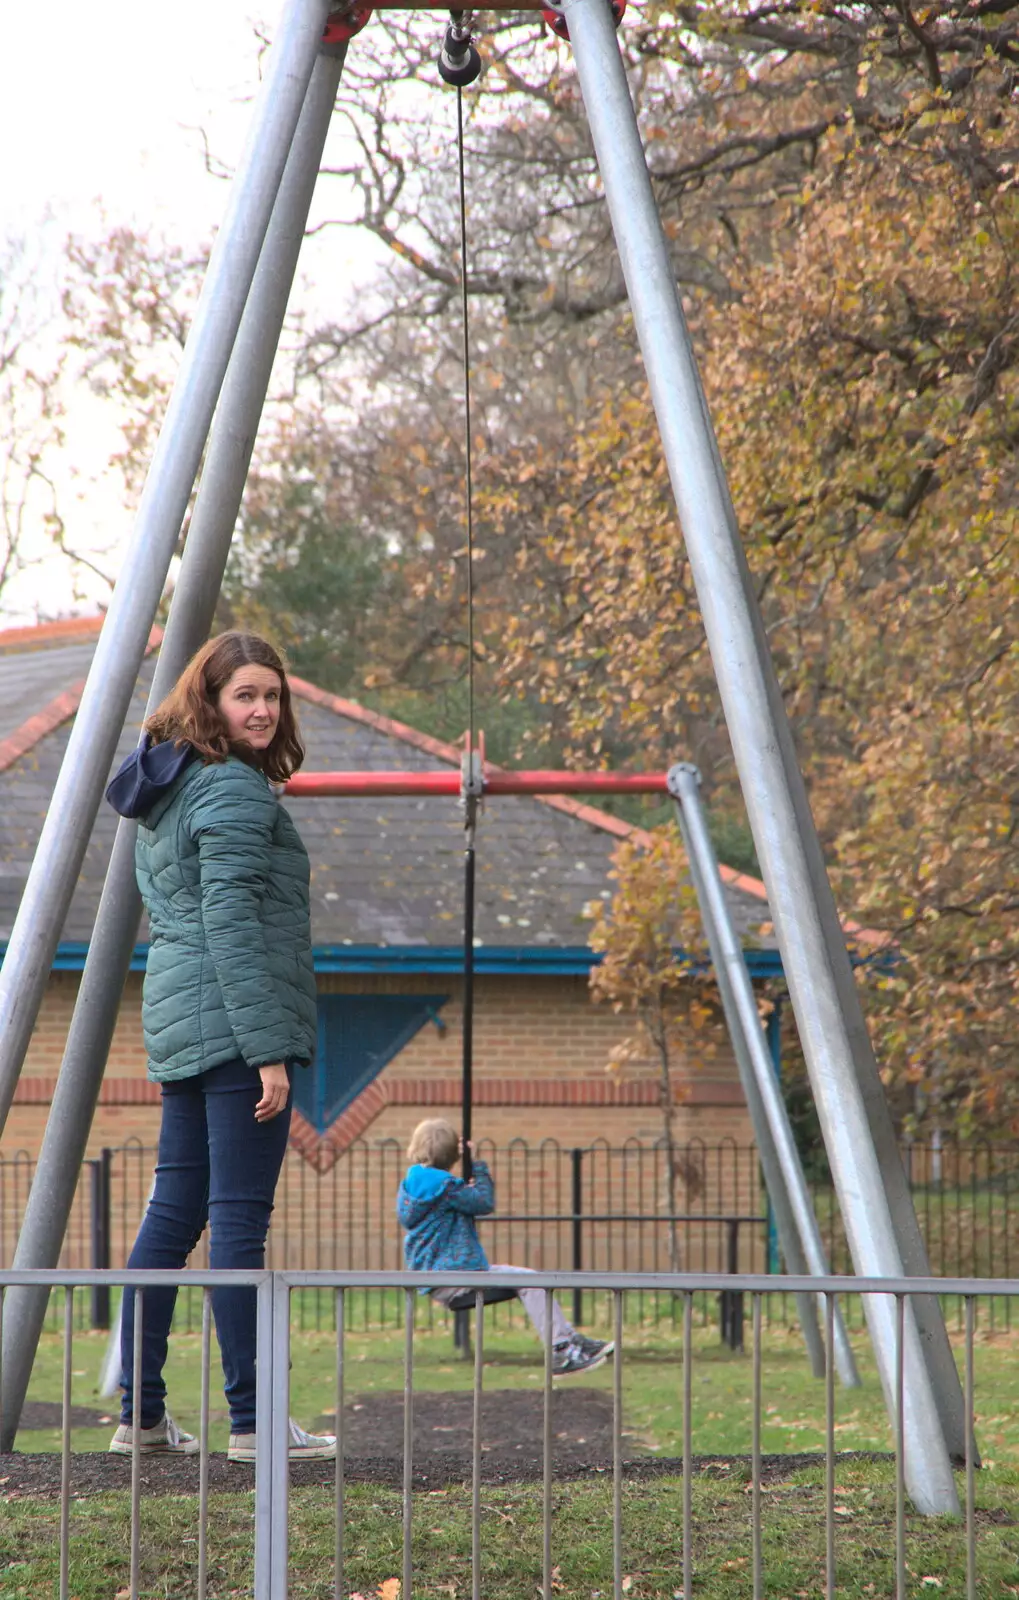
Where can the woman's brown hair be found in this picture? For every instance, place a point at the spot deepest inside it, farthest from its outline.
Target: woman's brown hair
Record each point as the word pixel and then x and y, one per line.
pixel 190 712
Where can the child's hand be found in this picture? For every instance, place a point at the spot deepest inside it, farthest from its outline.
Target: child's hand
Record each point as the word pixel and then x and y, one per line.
pixel 470 1146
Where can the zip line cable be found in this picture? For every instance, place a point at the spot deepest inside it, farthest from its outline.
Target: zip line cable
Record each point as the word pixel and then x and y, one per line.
pixel 472 764
pixel 468 472
pixel 460 64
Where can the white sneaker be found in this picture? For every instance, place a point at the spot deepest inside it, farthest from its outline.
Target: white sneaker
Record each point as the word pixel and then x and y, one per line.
pixel 571 1358
pixel 303 1446
pixel 165 1439
pixel 594 1347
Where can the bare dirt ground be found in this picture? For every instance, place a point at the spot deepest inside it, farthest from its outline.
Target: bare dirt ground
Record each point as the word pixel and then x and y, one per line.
pixel 511 1446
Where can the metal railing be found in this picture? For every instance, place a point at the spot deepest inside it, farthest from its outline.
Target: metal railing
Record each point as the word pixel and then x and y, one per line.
pixel 275 1296
pixel 596 1207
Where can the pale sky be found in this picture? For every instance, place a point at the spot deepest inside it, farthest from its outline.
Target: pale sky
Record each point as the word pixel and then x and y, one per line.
pixel 100 112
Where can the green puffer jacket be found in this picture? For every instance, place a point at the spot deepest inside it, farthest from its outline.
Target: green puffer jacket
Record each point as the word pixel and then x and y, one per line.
pixel 224 877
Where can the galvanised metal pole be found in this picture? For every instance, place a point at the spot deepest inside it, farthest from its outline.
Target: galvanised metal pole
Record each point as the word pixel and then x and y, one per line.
pixel 771 1166
pixel 118 656
pixel 795 1219
pixel 840 1060
pixel 191 614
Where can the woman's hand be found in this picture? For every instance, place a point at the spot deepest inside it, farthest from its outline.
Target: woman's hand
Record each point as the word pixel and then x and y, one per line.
pixel 275 1090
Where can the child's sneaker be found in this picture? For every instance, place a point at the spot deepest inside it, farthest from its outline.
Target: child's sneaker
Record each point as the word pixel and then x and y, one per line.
pixel 303 1446
pixel 568 1359
pixel 595 1347
pixel 165 1439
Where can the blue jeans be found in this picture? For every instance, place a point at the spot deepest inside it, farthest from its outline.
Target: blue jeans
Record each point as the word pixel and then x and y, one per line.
pixel 216 1164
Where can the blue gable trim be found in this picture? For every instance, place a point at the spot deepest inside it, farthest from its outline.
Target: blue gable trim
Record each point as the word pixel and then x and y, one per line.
pixel 537 960
pixel 358 1035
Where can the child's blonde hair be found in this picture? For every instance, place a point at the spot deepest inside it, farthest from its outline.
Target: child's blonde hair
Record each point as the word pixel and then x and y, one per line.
pixel 434 1143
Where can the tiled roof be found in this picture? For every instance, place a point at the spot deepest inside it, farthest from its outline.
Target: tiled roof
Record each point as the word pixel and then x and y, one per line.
pixel 385 872
pixel 29 681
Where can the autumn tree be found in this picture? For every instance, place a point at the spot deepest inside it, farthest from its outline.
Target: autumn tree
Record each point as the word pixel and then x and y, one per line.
pixel 864 391
pixel 31 417
pixel 127 303
pixel 654 970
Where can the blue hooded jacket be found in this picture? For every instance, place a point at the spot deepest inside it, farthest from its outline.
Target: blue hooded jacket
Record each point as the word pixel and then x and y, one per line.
pixel 438 1211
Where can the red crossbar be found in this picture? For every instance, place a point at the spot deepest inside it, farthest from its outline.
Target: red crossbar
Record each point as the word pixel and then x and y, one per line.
pixel 448 783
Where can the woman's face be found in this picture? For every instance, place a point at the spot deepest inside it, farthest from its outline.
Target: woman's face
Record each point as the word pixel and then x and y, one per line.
pixel 249 703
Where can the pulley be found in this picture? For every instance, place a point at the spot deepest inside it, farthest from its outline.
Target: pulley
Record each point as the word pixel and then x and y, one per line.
pixel 459 61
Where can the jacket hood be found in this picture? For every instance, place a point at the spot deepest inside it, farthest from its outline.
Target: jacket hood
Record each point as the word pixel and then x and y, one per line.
pixel 419 1190
pixel 147 776
pixel 424 1183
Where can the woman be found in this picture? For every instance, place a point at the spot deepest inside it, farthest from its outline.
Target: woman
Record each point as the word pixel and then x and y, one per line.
pixel 228 1007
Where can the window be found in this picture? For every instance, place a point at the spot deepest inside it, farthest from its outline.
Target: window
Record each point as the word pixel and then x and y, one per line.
pixel 358 1034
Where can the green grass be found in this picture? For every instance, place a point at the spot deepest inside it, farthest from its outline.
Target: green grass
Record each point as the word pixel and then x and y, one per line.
pixel 792 1522
pixel 793 1419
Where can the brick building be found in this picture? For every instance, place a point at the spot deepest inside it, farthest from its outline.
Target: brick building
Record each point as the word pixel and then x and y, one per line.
pixel 386 922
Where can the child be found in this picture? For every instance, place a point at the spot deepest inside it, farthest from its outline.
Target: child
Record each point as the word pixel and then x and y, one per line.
pixel 438 1211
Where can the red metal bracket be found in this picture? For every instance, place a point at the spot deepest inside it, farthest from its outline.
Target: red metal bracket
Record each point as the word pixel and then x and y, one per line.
pixel 557 22
pixel 342 25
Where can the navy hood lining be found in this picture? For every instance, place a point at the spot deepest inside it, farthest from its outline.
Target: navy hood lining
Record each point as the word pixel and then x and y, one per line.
pixel 146 775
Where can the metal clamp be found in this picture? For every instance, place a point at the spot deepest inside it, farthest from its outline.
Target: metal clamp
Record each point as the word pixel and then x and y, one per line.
pixel 555 20
pixel 675 775
pixel 341 26
pixel 472 789
pixel 472 775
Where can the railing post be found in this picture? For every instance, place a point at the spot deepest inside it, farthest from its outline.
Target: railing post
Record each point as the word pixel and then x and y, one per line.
pixel 731 1300
pixel 577 1201
pixel 99 1172
pixel 272 1437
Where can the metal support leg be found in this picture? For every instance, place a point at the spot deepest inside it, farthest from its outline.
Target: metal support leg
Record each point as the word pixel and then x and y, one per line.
pixel 731 1300
pixel 883 1234
pixel 577 1204
pixel 121 645
pixel 462 1335
pixel 100 1229
pixel 798 1232
pixel 191 613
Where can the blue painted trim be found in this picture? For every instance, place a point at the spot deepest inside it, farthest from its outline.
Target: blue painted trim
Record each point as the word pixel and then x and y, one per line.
pixel 70 956
pixel 570 960
pixel 774 1034
pixel 539 960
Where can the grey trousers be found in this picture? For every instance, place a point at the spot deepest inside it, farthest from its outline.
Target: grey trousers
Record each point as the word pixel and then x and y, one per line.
pixel 533 1302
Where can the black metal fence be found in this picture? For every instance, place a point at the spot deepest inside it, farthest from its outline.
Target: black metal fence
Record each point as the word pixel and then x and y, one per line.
pixel 591 1208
